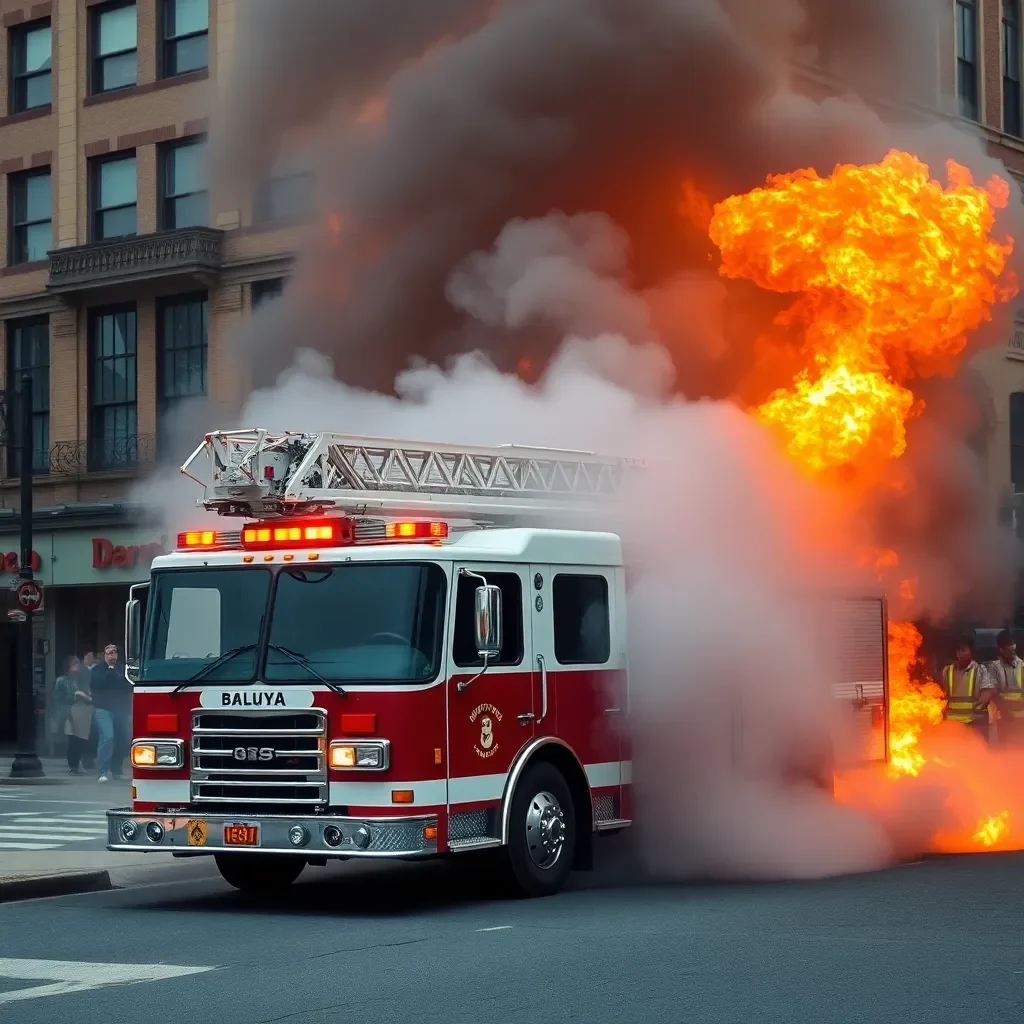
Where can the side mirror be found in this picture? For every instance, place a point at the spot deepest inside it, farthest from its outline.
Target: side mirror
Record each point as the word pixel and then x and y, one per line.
pixel 487 620
pixel 132 639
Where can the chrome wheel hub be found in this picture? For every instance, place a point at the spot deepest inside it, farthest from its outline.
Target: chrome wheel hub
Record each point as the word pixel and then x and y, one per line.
pixel 545 830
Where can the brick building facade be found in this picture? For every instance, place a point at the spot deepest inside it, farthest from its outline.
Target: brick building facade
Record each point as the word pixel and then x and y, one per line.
pixel 122 276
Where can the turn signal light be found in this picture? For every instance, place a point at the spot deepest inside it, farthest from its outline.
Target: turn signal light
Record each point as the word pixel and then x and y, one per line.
pixel 299 534
pixel 371 754
pixel 156 754
pixel 415 531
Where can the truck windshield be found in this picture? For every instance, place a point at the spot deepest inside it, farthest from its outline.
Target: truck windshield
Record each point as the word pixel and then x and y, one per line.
pixel 357 623
pixel 203 616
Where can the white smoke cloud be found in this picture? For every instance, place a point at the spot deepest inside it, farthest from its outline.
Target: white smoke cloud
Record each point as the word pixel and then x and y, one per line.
pixel 720 536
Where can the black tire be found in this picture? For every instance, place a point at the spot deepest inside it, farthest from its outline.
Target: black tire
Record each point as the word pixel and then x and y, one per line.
pixel 259 872
pixel 531 820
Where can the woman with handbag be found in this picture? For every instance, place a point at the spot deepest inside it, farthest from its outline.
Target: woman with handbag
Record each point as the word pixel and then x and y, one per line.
pixel 72 693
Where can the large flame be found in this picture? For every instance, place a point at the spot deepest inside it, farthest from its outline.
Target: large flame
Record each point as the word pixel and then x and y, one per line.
pixel 891 271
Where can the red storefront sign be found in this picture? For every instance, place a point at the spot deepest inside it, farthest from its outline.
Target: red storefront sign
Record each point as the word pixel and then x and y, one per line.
pixel 12 562
pixel 108 555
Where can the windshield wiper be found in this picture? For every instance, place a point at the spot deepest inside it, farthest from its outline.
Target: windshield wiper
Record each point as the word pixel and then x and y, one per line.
pixel 216 663
pixel 303 662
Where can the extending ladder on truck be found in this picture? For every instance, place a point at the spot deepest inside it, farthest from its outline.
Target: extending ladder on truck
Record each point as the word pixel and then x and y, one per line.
pixel 258 473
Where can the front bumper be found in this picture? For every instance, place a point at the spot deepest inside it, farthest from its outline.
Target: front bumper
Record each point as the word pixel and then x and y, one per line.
pixel 200 832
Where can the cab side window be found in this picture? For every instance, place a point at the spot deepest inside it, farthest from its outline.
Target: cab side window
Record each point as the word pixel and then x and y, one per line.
pixel 464 642
pixel 580 612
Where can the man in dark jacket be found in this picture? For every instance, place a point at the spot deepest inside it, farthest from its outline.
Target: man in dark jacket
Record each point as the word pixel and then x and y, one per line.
pixel 112 700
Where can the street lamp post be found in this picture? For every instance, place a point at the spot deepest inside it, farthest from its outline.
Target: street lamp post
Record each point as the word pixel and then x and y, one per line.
pixel 26 761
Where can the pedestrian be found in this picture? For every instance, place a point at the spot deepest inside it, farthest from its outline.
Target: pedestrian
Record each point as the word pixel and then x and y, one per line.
pixel 1006 672
pixel 89 750
pixel 72 696
pixel 969 689
pixel 111 697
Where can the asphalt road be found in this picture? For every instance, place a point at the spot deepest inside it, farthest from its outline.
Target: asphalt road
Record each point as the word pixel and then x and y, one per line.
pixel 937 943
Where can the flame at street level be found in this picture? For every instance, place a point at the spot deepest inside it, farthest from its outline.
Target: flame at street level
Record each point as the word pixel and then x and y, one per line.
pixel 993 829
pixel 892 271
pixel 912 705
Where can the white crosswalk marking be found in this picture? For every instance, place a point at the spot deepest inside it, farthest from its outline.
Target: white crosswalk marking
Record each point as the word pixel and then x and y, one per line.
pixel 58 977
pixel 42 830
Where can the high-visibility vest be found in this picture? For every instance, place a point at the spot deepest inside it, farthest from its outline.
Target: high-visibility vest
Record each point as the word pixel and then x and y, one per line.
pixel 961 708
pixel 1015 695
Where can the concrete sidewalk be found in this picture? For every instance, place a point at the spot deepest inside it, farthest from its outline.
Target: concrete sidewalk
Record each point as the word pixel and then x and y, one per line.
pixel 26 876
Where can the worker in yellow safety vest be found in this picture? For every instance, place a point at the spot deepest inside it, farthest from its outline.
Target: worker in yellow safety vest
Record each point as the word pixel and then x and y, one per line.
pixel 1007 672
pixel 969 688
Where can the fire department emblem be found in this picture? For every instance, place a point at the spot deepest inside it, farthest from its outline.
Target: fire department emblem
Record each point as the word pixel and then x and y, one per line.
pixel 487 715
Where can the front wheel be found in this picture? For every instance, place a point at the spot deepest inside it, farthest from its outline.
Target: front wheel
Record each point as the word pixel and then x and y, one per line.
pixel 542 831
pixel 259 872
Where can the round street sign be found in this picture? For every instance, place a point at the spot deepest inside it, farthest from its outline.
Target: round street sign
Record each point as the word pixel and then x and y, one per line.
pixel 30 595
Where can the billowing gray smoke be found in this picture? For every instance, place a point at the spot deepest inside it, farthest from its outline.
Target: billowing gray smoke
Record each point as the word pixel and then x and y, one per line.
pixel 497 109
pixel 504 178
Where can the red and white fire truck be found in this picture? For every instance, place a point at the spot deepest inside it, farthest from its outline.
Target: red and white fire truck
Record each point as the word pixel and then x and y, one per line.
pixel 396 656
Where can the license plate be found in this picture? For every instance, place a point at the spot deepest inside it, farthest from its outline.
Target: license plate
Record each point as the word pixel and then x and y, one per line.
pixel 241 834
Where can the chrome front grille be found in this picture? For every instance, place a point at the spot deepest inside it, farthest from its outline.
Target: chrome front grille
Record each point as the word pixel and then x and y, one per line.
pixel 262 757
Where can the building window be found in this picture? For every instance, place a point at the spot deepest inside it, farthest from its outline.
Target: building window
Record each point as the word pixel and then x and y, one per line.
pixel 287 193
pixel 30 54
pixel 182 338
pixel 186 36
pixel 967 58
pixel 28 352
pixel 464 652
pixel 1011 68
pixel 265 291
pixel 113 414
pixel 114 196
pixel 30 212
pixel 114 41
pixel 184 200
pixel 579 610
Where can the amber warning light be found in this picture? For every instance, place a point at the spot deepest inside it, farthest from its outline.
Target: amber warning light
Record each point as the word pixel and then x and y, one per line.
pixel 415 531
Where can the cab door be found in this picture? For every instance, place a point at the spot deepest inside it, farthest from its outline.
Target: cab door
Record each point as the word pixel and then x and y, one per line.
pixel 579 650
pixel 490 715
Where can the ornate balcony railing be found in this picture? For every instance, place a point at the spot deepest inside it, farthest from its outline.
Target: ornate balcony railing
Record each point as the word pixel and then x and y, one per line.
pixel 193 253
pixel 76 458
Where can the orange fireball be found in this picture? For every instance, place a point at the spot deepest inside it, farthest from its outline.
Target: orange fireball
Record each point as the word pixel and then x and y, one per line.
pixel 891 271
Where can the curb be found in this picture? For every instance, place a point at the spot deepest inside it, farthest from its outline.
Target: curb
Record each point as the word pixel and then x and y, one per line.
pixel 67 884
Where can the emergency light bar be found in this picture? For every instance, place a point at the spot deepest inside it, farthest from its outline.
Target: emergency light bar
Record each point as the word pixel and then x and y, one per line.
pixel 334 531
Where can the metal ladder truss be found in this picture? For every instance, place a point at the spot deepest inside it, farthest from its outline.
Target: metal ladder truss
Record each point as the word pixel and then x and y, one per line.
pixel 264 474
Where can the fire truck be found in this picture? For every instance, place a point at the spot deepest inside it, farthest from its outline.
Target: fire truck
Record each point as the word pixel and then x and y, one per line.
pixel 399 654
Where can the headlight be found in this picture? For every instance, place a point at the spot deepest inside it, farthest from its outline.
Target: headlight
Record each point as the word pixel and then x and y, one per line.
pixel 158 754
pixel 372 755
